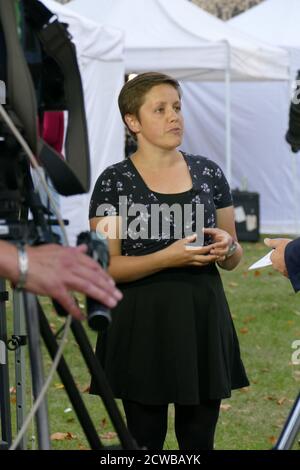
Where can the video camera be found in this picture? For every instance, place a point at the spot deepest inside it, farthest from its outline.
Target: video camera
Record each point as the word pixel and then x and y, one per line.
pixel 39 72
pixel 39 67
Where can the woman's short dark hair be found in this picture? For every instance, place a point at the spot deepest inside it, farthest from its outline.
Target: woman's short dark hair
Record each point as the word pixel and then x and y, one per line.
pixel 132 95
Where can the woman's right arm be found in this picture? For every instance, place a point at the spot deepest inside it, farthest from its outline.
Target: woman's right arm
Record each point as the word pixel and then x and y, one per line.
pixel 131 268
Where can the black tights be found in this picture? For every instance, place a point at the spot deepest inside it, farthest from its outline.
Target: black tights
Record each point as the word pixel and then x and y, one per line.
pixel 194 424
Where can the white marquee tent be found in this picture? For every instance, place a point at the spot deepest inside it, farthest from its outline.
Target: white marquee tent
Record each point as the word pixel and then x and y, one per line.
pixel 100 53
pixel 261 159
pixel 177 37
pixel 275 21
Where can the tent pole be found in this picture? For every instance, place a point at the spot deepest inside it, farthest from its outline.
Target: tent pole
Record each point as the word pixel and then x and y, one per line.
pixel 228 115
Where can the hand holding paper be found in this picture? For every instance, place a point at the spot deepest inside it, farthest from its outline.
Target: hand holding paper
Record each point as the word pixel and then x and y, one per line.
pixel 278 257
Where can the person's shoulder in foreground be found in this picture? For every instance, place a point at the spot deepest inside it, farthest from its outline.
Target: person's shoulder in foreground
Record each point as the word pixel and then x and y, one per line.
pixel 292 261
pixel 286 258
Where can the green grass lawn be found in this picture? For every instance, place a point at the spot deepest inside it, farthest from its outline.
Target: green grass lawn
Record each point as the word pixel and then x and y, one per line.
pixel 266 313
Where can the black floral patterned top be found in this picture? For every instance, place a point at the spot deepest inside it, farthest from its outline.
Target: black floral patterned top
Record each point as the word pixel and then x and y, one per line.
pixel 150 221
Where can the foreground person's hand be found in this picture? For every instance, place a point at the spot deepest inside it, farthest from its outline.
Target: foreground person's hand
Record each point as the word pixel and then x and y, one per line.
pixel 277 257
pixel 56 271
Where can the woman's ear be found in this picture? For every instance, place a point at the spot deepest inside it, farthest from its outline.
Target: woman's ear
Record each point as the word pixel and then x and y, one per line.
pixel 132 123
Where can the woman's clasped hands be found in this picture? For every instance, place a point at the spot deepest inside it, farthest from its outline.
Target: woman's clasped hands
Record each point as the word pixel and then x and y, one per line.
pixel 179 254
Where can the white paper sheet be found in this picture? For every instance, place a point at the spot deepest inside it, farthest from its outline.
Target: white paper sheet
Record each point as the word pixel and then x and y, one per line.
pixel 251 222
pixel 239 214
pixel 262 262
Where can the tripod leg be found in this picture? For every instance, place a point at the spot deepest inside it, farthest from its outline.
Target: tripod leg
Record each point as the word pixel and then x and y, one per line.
pixel 70 386
pixel 103 386
pixel 32 323
pixel 290 429
pixel 4 375
pixel 20 363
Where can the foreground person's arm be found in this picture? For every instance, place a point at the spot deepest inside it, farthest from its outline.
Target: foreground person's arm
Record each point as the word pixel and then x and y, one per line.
pixel 55 271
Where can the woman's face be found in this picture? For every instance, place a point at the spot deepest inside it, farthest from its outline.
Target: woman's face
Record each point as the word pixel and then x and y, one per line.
pixel 160 122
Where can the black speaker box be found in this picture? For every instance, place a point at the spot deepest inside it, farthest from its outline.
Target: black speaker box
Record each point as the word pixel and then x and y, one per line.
pixel 246 207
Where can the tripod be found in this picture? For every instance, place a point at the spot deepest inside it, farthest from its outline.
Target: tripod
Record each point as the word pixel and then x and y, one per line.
pixel 16 343
pixel 17 197
pixel 37 323
pixel 4 376
pixel 291 428
pixel 36 318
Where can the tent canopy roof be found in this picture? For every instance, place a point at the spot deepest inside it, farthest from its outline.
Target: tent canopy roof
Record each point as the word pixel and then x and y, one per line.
pixel 275 21
pixel 177 37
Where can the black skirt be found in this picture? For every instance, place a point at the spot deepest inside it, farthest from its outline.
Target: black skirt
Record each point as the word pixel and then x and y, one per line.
pixel 172 340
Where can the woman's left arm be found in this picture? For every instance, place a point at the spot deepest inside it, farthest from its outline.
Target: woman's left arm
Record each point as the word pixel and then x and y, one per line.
pixel 224 238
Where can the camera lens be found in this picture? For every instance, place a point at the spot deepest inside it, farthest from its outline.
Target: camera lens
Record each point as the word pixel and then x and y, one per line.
pixel 99 316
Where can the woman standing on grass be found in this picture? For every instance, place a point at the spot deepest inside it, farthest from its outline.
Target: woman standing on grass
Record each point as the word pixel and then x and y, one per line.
pixel 172 339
